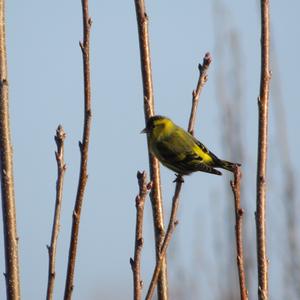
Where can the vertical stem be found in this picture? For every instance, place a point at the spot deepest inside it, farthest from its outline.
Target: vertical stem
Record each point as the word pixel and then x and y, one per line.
pixel 203 68
pixel 61 168
pixel 167 239
pixel 263 101
pixel 236 189
pixel 84 145
pixel 139 241
pixel 7 179
pixel 155 194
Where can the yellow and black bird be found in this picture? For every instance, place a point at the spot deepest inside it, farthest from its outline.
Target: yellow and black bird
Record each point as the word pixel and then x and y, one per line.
pixel 179 151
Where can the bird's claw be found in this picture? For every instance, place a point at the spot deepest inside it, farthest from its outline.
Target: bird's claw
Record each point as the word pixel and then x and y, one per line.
pixel 178 178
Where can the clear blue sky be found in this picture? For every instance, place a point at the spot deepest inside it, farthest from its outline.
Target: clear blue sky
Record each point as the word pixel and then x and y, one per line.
pixel 46 89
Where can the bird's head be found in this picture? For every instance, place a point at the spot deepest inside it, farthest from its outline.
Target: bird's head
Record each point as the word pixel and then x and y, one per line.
pixel 158 125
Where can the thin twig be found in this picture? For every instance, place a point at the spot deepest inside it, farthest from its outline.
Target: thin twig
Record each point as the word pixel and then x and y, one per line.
pixel 179 180
pixel 139 241
pixel 61 168
pixel 236 189
pixel 155 194
pixel 84 145
pixel 263 103
pixel 7 178
pixel 196 93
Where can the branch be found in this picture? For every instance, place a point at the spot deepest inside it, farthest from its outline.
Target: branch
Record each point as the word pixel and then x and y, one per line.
pixel 263 101
pixel 172 224
pixel 196 93
pixel 136 262
pixel 61 168
pixel 84 145
pixel 155 194
pixel 179 180
pixel 6 174
pixel 236 189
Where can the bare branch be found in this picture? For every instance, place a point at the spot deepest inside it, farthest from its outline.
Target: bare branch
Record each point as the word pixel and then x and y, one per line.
pixel 136 261
pixel 84 145
pixel 155 194
pixel 196 93
pixel 7 178
pixel 179 180
pixel 236 189
pixel 263 103
pixel 172 224
pixel 61 168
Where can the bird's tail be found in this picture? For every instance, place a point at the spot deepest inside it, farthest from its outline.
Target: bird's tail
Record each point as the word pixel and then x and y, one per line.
pixel 227 165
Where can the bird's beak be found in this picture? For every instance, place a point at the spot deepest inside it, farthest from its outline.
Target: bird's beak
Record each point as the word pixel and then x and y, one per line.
pixel 144 130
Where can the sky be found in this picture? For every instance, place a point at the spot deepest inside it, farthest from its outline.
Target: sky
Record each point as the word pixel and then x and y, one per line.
pixel 46 89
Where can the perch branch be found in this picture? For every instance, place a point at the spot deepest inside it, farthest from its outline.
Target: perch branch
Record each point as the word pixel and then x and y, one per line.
pixel 236 189
pixel 155 194
pixel 263 103
pixel 179 180
pixel 84 145
pixel 172 224
pixel 136 261
pixel 61 168
pixel 7 178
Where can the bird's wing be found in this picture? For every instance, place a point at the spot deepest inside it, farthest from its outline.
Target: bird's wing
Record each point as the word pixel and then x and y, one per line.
pixel 181 146
pixel 206 151
pixel 169 152
pixel 203 148
pixel 184 162
pixel 208 169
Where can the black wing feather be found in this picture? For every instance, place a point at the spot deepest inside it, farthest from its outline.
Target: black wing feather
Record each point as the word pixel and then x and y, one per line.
pixel 182 162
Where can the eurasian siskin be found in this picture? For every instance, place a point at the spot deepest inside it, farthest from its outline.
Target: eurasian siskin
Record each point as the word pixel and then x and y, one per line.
pixel 179 151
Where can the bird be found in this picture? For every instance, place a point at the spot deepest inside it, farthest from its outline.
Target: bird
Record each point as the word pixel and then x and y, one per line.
pixel 180 151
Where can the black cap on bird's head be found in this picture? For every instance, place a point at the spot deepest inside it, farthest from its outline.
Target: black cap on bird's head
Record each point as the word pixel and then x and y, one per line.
pixel 153 121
